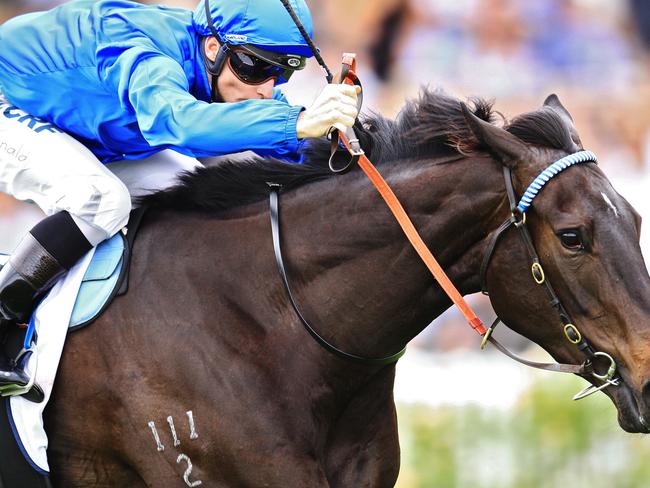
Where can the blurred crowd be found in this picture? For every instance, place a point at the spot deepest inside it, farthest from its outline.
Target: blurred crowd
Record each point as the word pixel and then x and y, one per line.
pixel 595 54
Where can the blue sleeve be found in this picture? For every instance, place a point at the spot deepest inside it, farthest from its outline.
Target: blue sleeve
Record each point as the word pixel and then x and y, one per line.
pixel 168 115
pixel 278 95
pixel 294 157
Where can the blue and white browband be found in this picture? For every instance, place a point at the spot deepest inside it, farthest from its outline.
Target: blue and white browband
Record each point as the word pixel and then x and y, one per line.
pixel 543 178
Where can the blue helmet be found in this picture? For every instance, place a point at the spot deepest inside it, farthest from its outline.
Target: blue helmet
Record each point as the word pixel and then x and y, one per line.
pixel 258 38
pixel 262 23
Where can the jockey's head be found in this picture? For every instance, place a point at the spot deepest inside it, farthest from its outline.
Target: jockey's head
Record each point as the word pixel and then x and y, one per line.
pixel 251 45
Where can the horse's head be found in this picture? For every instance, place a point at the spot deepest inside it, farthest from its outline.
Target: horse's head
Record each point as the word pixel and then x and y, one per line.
pixel 587 239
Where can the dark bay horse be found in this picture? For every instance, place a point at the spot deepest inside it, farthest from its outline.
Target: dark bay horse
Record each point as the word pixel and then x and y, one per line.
pixel 203 375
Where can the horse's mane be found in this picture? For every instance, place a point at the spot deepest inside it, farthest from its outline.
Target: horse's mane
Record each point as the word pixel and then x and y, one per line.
pixel 432 126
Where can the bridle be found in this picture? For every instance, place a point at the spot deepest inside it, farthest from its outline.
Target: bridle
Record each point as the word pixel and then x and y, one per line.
pixel 517 219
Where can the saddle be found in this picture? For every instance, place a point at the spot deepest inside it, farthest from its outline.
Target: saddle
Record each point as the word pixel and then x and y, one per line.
pixel 107 276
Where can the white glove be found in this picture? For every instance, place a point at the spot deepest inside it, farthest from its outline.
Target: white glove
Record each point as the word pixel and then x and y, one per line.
pixel 335 106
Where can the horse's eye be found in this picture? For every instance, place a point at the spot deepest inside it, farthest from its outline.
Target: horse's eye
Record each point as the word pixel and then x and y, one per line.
pixel 572 240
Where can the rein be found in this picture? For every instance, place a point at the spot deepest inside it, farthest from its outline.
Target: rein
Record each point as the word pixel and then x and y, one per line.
pixel 275 229
pixel 517 218
pixel 358 156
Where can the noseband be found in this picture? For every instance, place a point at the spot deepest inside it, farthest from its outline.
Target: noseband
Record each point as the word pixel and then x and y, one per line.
pixel 571 332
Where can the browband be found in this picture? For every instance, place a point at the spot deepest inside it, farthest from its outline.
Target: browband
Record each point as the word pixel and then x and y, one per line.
pixel 544 177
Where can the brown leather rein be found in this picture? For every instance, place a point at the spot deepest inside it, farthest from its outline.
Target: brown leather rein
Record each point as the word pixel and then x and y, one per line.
pixel 357 157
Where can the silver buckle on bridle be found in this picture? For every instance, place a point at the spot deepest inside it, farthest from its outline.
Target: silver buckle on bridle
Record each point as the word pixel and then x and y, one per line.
pixel 607 378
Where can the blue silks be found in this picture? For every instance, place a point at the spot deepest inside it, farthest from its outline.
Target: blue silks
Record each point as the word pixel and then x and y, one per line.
pixel 128 80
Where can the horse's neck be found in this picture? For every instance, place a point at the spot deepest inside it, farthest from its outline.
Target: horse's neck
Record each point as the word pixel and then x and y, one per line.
pixel 352 271
pixel 355 272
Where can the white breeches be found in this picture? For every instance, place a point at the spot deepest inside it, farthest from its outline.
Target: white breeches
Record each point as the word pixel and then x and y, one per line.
pixel 38 162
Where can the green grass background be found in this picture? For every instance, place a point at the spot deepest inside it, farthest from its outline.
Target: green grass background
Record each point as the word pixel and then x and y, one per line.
pixel 545 440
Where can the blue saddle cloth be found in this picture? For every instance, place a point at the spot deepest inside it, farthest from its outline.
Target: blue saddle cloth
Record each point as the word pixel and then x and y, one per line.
pixel 100 282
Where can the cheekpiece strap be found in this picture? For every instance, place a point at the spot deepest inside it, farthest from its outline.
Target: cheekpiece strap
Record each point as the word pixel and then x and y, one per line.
pixel 555 168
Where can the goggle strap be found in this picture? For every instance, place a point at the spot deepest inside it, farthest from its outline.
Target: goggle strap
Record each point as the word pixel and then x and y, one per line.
pixel 215 95
pixel 220 58
pixel 215 67
pixel 276 59
pixel 208 16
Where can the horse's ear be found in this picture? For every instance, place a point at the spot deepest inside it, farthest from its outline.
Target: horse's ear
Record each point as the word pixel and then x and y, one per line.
pixel 509 149
pixel 553 102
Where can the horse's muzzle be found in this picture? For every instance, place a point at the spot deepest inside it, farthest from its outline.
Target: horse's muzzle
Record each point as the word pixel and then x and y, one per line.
pixel 633 410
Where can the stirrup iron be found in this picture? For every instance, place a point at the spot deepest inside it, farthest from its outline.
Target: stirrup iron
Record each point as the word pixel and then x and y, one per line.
pixel 31 391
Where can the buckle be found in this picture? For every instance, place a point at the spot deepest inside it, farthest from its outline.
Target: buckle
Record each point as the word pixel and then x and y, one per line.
pixel 572 334
pixel 518 217
pixel 355 147
pixel 537 272
pixel 607 378
pixel 489 332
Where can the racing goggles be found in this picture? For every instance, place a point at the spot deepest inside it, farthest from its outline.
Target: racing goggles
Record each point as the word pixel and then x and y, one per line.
pixel 254 66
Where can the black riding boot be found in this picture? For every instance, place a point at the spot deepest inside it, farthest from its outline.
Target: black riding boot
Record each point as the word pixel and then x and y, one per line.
pixel 31 270
pixel 42 257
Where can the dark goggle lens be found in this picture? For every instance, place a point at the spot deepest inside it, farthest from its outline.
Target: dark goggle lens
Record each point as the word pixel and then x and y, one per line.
pixel 251 69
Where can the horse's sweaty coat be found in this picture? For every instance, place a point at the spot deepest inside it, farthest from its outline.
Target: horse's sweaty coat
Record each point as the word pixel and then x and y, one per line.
pixel 270 406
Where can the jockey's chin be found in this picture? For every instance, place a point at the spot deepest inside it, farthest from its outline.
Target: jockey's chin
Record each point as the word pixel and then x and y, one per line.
pixel 232 89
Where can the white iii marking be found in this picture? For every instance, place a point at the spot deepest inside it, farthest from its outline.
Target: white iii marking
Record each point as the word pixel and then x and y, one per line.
pixel 152 426
pixel 609 202
pixel 177 442
pixel 193 434
pixel 188 471
pixel 170 421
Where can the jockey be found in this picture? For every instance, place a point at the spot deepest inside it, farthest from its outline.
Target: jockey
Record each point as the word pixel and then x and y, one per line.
pixel 104 100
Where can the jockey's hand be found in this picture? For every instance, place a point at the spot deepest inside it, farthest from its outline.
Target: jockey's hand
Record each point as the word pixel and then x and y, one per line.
pixel 336 106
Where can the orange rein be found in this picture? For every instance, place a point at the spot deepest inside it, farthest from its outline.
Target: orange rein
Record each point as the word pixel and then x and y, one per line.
pixel 403 219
